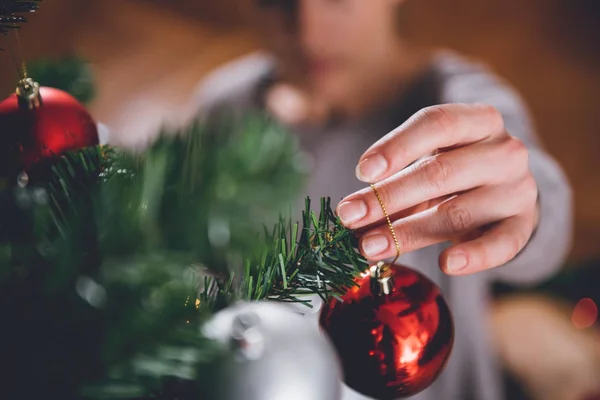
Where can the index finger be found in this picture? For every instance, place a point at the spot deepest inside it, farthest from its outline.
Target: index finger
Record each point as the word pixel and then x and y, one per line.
pixel 433 128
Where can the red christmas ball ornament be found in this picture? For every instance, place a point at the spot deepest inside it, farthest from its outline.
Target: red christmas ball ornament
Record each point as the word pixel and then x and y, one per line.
pixel 39 124
pixel 393 332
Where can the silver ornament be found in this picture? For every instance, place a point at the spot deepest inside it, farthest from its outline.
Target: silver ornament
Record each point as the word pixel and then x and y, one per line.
pixel 276 354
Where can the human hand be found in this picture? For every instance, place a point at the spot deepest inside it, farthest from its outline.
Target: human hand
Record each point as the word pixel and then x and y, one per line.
pixel 450 173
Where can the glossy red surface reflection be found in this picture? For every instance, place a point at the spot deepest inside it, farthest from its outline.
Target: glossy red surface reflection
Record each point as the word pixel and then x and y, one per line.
pixel 29 136
pixel 395 345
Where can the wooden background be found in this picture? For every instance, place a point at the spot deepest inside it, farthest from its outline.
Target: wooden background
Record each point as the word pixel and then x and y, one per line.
pixel 149 54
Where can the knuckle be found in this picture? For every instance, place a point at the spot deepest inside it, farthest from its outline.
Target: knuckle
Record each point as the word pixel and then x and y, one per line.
pixel 479 254
pixel 389 196
pixel 494 117
pixel 435 172
pixel 517 148
pixel 406 238
pixel 440 118
pixel 457 217
pixel 530 188
pixel 516 155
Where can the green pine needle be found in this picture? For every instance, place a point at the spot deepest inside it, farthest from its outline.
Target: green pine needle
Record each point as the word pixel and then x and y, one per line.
pixel 106 278
pixel 324 261
pixel 10 13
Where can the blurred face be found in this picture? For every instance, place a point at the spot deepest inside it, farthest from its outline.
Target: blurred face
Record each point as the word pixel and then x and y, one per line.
pixel 332 49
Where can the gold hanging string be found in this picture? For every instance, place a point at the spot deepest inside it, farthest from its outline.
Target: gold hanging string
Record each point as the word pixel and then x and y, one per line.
pixel 389 221
pixel 23 66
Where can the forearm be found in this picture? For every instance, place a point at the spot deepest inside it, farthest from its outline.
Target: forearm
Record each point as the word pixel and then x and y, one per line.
pixel 550 243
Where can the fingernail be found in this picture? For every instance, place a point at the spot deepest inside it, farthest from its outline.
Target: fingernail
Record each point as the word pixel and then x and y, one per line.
pixel 376 244
pixel 371 168
pixel 456 262
pixel 352 211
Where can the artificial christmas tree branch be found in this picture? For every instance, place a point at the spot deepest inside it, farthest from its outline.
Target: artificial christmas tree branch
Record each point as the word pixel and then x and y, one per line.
pixel 120 258
pixel 10 11
pixel 110 261
pixel 317 257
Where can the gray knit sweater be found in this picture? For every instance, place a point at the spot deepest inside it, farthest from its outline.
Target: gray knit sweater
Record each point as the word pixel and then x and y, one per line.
pixel 473 371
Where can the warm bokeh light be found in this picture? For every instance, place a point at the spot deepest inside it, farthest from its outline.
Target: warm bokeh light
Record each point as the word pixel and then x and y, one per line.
pixel 585 313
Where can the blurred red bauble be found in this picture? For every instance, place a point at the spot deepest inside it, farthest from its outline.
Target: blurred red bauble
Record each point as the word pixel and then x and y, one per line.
pixel 41 123
pixel 393 333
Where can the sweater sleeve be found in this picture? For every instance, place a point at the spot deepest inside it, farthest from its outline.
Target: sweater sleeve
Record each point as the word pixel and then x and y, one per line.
pixel 549 245
pixel 229 91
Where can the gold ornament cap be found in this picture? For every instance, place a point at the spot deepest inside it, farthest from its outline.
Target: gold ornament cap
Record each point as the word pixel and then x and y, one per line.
pixel 28 93
pixel 382 278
